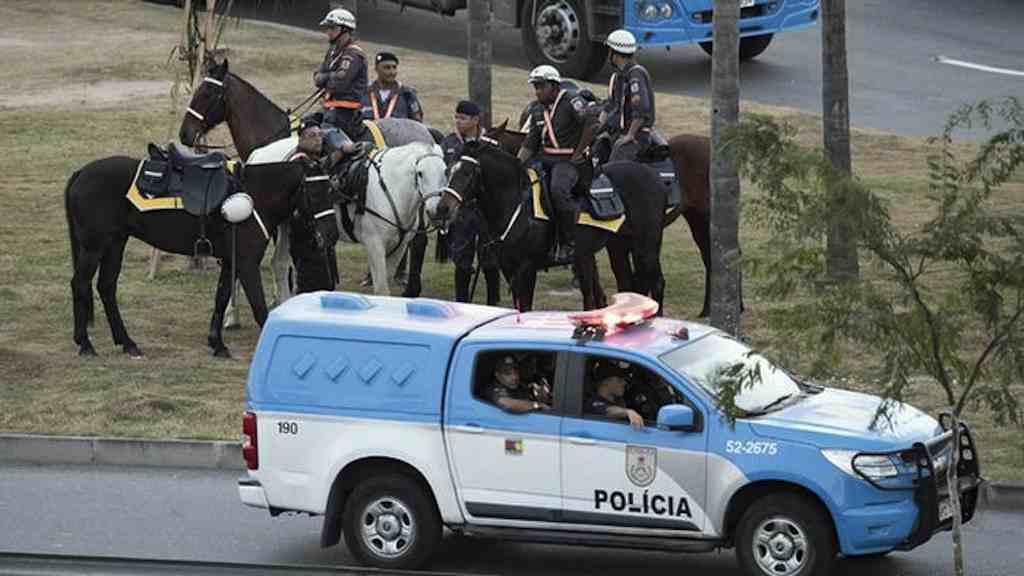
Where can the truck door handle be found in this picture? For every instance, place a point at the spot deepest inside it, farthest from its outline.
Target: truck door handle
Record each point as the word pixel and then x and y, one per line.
pixel 581 440
pixel 471 428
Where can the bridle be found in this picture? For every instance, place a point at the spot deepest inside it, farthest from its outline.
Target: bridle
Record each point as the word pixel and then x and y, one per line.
pixel 475 182
pixel 202 117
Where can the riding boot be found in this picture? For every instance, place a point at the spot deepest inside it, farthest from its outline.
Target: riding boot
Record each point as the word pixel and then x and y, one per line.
pixel 462 279
pixel 567 237
pixel 493 277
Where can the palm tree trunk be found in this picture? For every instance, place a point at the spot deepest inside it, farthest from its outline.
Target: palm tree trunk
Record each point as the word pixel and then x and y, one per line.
pixel 725 184
pixel 479 61
pixel 841 250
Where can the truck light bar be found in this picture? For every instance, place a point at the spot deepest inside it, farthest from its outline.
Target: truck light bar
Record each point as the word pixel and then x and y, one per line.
pixel 627 309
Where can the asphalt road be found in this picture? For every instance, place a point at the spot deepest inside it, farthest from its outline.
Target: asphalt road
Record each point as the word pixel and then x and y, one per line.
pixel 896 83
pixel 196 515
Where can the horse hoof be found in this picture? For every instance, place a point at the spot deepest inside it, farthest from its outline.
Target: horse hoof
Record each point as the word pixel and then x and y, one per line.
pixel 87 351
pixel 132 351
pixel 222 352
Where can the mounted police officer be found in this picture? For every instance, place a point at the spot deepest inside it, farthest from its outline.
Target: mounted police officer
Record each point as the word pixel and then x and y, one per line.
pixel 387 97
pixel 343 74
pixel 628 116
pixel 560 136
pixel 464 233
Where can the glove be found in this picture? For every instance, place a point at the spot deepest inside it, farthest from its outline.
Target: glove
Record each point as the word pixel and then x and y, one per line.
pixel 360 149
pixel 319 79
pixel 325 163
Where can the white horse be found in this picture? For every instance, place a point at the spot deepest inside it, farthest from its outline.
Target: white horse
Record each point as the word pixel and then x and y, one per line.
pixel 412 175
pixel 404 183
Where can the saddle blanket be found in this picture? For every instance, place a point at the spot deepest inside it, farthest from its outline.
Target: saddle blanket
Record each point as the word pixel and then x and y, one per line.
pixel 584 219
pixel 145 202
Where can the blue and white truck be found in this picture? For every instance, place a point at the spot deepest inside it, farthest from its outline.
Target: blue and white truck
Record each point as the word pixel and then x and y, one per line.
pixel 379 414
pixel 569 34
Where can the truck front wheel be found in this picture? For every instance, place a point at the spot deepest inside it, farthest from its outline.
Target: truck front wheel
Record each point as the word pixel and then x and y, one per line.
pixel 555 32
pixel 390 522
pixel 785 535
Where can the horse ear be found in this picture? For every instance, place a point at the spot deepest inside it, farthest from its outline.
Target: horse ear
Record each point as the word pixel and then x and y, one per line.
pixel 501 127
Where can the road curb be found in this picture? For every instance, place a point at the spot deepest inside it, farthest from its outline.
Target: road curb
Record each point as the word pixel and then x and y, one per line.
pixel 35 449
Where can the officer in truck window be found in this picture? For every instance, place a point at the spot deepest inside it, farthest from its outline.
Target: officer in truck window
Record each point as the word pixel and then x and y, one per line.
pixel 608 399
pixel 508 391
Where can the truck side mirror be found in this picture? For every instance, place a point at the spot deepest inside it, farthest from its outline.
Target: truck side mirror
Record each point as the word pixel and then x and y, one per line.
pixel 676 417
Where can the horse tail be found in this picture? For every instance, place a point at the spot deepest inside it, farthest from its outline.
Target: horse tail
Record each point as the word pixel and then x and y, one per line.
pixel 73 237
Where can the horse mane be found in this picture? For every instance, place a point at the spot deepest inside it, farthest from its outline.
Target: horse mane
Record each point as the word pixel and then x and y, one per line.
pixel 256 92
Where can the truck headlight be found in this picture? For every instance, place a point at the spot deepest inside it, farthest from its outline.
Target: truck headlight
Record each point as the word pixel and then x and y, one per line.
pixel 873 466
pixel 649 12
pixel 666 11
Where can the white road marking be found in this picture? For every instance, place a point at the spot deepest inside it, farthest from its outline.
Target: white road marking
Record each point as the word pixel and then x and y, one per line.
pixel 982 67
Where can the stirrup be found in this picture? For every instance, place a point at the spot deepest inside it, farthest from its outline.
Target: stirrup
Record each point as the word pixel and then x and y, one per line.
pixel 197 248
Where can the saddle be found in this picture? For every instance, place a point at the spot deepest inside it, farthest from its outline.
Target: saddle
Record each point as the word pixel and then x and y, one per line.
pixel 200 181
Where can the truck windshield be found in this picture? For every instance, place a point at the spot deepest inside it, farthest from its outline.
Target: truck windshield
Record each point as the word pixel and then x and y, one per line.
pixel 715 360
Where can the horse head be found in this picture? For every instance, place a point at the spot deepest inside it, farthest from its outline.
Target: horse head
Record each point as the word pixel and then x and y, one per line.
pixel 208 106
pixel 508 140
pixel 431 179
pixel 463 183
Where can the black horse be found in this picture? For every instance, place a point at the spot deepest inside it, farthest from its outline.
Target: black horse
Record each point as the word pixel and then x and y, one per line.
pixel 101 218
pixel 691 157
pixel 494 182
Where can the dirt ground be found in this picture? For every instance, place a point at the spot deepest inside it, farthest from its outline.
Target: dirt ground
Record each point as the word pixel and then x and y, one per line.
pixel 110 88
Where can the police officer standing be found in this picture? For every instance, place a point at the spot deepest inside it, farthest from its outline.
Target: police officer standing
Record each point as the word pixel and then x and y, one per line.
pixel 628 117
pixel 387 97
pixel 343 74
pixel 560 136
pixel 464 233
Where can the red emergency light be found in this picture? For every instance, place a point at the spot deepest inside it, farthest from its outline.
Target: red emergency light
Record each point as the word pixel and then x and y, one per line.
pixel 627 309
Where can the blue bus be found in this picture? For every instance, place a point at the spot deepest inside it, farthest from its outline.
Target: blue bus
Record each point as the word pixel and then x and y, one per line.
pixel 569 34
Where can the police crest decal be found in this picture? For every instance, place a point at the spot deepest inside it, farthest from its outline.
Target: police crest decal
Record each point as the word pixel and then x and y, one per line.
pixel 641 465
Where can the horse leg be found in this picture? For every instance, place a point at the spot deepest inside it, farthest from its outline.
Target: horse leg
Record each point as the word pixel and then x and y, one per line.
pixel 585 267
pixel 650 280
pixel 252 283
pixel 417 249
pixel 154 263
pixel 110 270
pixel 600 298
pixel 379 269
pixel 231 320
pixel 700 229
pixel 528 285
pixel 281 264
pixel 220 302
pixel 618 257
pixel 86 264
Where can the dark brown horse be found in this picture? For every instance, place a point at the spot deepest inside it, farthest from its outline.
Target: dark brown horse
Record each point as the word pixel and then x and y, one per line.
pixel 691 156
pixel 101 219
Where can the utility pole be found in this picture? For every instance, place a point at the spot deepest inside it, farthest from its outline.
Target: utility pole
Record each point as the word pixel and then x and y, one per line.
pixel 479 59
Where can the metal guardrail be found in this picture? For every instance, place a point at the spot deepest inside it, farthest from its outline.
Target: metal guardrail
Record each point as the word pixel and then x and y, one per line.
pixel 18 564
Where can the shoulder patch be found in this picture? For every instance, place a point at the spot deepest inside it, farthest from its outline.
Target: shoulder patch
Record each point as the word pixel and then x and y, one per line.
pixel 635 86
pixel 346 63
pixel 577 103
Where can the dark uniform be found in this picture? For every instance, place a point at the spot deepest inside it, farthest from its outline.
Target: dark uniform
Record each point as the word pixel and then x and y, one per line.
pixel 465 238
pixel 401 102
pixel 343 76
pixel 554 134
pixel 498 391
pixel 629 97
pixel 599 406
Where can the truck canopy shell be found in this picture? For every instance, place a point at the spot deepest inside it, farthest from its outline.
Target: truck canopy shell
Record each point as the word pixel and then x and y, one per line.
pixel 344 353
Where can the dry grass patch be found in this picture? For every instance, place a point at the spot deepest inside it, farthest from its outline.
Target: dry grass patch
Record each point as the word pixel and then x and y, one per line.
pixel 178 390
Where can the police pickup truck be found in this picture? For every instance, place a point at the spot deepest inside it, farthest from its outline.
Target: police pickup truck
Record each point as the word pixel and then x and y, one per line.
pixel 392 418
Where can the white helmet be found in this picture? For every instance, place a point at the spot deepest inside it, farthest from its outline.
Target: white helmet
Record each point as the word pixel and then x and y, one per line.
pixel 621 41
pixel 339 17
pixel 544 73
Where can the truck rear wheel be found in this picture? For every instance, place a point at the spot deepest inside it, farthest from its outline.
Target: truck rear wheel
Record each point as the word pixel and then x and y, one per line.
pixel 390 522
pixel 555 32
pixel 750 47
pixel 785 535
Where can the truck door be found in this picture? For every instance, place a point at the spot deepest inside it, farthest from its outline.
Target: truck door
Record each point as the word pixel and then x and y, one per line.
pixel 614 475
pixel 506 463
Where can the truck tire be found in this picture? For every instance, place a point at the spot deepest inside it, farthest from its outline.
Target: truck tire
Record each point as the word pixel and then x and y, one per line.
pixel 785 535
pixel 750 47
pixel 391 522
pixel 557 34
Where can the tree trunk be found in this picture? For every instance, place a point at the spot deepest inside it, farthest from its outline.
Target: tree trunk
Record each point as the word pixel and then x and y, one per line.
pixel 841 259
pixel 952 484
pixel 725 184
pixel 480 48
